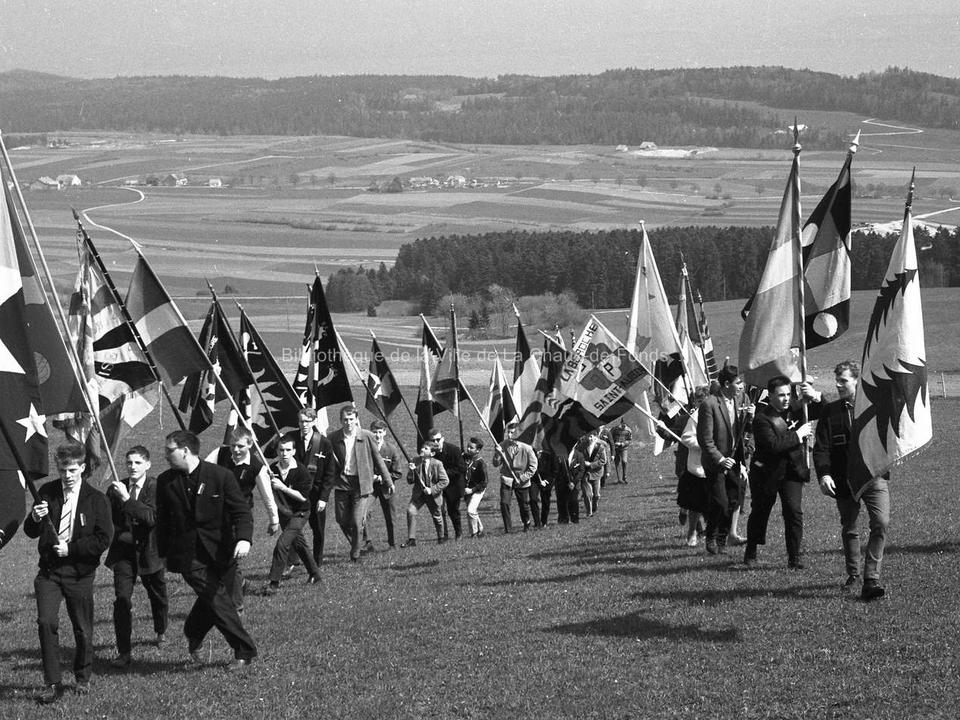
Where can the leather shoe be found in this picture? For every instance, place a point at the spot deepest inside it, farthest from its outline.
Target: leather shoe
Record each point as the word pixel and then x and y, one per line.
pixel 82 687
pixel 269 590
pixel 711 546
pixel 239 665
pixel 367 547
pixel 851 581
pixel 313 580
pixel 121 661
pixel 196 655
pixel 796 564
pixel 160 641
pixel 50 694
pixel 871 591
pixel 411 542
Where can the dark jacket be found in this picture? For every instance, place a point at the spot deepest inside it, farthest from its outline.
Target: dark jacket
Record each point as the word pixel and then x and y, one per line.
pixel 298 478
pixel 716 436
pixel 205 524
pixel 451 457
pixel 831 449
pixel 475 476
pixel 92 528
pixel 549 468
pixel 779 454
pixel 317 458
pixel 134 524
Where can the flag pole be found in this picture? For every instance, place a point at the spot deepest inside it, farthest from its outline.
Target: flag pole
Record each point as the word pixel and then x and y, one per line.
pixel 496 443
pixel 28 481
pixel 402 398
pixel 456 370
pixel 383 416
pixel 246 364
pixel 126 316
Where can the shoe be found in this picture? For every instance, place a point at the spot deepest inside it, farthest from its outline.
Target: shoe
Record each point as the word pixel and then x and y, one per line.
pixel 367 547
pixel 441 540
pixel 736 540
pixel 526 526
pixel 851 581
pixel 238 665
pixel 82 687
pixel 481 534
pixel 871 591
pixel 796 564
pixel 313 580
pixel 711 546
pixel 194 649
pixel 287 572
pixel 270 589
pixel 682 517
pixel 121 661
pixel 411 542
pixel 160 641
pixel 692 540
pixel 50 694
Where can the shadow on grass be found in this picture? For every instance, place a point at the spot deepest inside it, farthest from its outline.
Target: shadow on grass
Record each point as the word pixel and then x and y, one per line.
pixel 719 597
pixel 414 566
pixel 936 548
pixel 635 625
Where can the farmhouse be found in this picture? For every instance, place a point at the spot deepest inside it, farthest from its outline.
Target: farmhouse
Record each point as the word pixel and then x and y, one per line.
pixel 44 183
pixel 174 180
pixel 69 181
pixel 215 183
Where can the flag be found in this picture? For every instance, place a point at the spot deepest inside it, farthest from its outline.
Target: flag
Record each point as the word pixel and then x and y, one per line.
pixel 59 389
pixel 526 369
pixel 689 333
pixel 543 405
pixel 891 414
pixel 117 372
pixel 446 389
pixel 274 408
pixel 594 387
pixel 425 406
pixel 202 392
pixel 825 246
pixel 321 378
pixel 772 334
pixel 169 342
pixel 499 410
pixel 383 392
pixel 706 342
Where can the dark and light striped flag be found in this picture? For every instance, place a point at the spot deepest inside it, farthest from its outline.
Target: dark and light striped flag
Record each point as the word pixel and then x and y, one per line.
pixel 173 348
pixel 526 369
pixel 706 342
pixel 499 410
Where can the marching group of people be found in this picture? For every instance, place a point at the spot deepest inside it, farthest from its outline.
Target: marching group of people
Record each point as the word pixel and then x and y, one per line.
pixel 196 517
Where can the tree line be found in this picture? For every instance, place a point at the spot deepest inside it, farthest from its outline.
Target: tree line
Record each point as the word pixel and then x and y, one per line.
pixel 597 268
pixel 676 107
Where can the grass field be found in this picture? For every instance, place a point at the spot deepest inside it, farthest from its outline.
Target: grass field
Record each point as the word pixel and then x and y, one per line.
pixel 611 618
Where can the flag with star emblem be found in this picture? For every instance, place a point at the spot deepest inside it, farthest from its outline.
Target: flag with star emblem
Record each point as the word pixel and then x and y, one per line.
pixel 891 415
pixel 23 440
pixel 383 393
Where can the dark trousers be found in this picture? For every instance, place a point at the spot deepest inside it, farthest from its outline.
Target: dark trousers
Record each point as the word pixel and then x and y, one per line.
pixel 763 497
pixel 451 507
pixel 434 504
pixel 723 496
pixel 620 459
pixel 291 537
pixel 50 587
pixel 318 526
pixel 523 501
pixel 388 506
pixel 540 503
pixel 350 512
pixel 214 607
pixel 124 579
pixel 568 502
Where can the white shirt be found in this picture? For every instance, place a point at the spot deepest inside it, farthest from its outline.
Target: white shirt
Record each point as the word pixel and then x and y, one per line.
pixel 349 456
pixel 68 514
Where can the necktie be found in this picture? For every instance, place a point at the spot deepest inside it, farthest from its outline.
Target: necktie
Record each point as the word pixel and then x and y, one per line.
pixel 135 491
pixel 66 529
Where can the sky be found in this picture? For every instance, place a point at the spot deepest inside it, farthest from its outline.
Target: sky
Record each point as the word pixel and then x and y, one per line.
pixel 476 38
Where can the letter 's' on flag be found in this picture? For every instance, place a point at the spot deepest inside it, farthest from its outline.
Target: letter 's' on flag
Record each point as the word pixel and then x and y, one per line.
pixel 594 388
pixel 499 410
pixel 891 415
pixel 825 241
pixel 772 334
pixel 175 352
pixel 383 393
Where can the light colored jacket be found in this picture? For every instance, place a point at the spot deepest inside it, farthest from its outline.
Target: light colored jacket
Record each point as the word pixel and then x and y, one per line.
pixel 523 460
pixel 689 440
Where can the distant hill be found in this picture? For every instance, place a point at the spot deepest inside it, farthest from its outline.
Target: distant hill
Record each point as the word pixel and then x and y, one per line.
pixel 733 107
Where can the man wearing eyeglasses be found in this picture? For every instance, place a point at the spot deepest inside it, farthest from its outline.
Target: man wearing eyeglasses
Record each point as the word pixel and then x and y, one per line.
pixel 451 457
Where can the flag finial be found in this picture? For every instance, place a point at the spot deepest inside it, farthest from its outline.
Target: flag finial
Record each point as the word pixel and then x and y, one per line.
pixel 855 144
pixel 796 136
pixel 913 177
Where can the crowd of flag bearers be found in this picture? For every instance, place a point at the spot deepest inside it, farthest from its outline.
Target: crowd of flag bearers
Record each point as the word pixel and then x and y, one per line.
pixel 558 431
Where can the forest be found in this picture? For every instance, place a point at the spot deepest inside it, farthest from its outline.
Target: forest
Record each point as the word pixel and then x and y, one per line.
pixel 597 268
pixel 729 107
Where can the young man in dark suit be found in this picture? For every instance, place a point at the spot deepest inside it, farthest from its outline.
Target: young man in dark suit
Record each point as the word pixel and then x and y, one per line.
pixel 72 520
pixel 779 467
pixel 133 552
pixel 451 457
pixel 204 525
pixel 315 454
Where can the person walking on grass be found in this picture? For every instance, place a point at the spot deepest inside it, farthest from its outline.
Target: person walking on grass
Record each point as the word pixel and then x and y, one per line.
pixel 622 437
pixel 204 526
pixel 133 552
pixel 830 453
pixel 475 484
pixel 595 460
pixel 384 489
pixel 429 479
pixel 291 485
pixel 72 521
pixel 518 457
